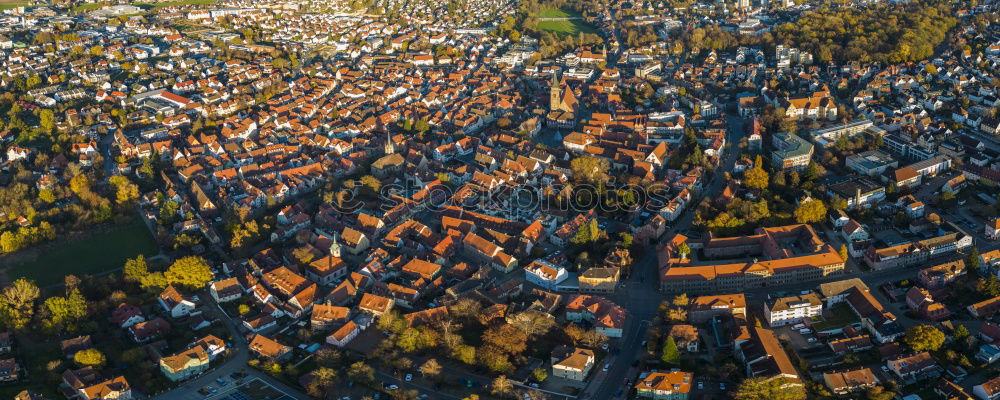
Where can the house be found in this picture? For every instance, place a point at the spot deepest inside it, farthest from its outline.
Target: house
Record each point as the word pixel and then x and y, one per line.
pixel 984 308
pixel 226 290
pixel 914 367
pixel 850 381
pixel 185 364
pixel 792 309
pixel 86 384
pixel 703 308
pixel 599 280
pixel 881 324
pixel 673 385
pixel 267 348
pixel 126 315
pixel 69 347
pixel 988 353
pixel 607 317
pixel 545 274
pixel 938 276
pixel 326 316
pixel 836 292
pixel 989 390
pixel 173 302
pixel 8 370
pixel 790 151
pixel 921 301
pixel 852 231
pixel 572 363
pixel 685 336
pixel 145 331
pixel 212 345
pixel 375 305
pixel 342 336
pixel 764 357
pixel 992 229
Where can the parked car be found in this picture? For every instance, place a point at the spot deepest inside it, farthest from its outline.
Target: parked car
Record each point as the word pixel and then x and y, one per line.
pixel 606 366
pixel 409 377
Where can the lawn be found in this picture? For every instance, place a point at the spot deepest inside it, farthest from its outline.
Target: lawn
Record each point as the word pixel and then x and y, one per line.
pixel 8 4
pixel 88 7
pixel 562 27
pixel 90 255
pixel 837 317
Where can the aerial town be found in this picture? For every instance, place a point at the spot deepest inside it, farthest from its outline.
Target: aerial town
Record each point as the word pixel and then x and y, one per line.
pixel 499 199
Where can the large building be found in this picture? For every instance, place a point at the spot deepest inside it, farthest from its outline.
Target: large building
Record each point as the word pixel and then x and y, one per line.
pixel 772 256
pixel 673 385
pixel 913 253
pixel 572 363
pixel 790 151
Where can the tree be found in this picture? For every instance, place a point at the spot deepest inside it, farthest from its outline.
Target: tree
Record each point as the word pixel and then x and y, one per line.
pixel 532 322
pixel 810 211
pixel 431 367
pixel 973 260
pixel 501 386
pixel 756 177
pixel 322 381
pixel 47 120
pixel 89 357
pixel 760 388
pixel 125 190
pixel 961 332
pixel 135 269
pixel 989 286
pixel 671 354
pixel 843 252
pixel 590 169
pixel 540 374
pixel 879 393
pixel 192 272
pixel 923 338
pixel 361 372
pixel 17 303
pixel 507 338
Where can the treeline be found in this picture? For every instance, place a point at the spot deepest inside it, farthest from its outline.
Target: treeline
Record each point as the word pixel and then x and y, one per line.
pixel 883 34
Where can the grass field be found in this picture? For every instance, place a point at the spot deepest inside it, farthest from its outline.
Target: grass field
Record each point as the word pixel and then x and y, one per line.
pixel 837 317
pixel 563 27
pixel 88 7
pixel 90 255
pixel 8 4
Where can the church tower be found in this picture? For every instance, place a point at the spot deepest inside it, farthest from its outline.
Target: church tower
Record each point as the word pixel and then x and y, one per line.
pixel 389 146
pixel 555 95
pixel 335 247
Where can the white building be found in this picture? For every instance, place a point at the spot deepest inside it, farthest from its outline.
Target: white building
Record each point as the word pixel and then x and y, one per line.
pixel 792 309
pixel 545 274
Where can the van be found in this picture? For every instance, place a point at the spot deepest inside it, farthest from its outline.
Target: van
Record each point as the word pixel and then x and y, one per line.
pixel 805 331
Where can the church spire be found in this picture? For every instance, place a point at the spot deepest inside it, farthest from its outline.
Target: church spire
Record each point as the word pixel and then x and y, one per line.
pixel 335 247
pixel 389 146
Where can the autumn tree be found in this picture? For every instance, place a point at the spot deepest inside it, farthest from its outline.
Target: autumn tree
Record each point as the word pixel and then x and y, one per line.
pixel 590 169
pixel 135 269
pixel 125 190
pixel 361 372
pixel 506 337
pixel 757 177
pixel 760 388
pixel 17 303
pixel 192 272
pixel 431 368
pixel 89 357
pixel 810 211
pixel 533 322
pixel 924 338
pixel 501 386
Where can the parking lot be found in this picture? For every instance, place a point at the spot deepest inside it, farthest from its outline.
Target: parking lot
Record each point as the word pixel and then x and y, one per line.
pixel 254 389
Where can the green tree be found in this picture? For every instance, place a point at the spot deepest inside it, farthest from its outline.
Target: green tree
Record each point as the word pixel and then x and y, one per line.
pixel 973 260
pixel 47 120
pixel 540 374
pixel 361 372
pixel 924 338
pixel 961 332
pixel 671 354
pixel 810 211
pixel 191 272
pixel 780 388
pixel 89 357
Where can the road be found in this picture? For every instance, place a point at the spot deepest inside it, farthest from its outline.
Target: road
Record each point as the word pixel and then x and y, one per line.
pixel 640 295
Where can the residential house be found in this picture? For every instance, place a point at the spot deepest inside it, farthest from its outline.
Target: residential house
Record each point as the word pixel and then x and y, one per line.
pixel 572 363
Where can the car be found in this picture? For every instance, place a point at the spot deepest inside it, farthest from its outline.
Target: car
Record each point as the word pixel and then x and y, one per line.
pixel 534 385
pixel 221 381
pixel 423 396
pixel 811 340
pixel 701 385
pixel 604 347
pixel 885 369
pixel 722 386
pixel 409 377
pixel 606 366
pixel 212 389
pixel 392 387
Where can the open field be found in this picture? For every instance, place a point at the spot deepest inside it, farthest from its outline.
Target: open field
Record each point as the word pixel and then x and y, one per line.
pixel 90 255
pixel 163 4
pixel 8 4
pixel 563 27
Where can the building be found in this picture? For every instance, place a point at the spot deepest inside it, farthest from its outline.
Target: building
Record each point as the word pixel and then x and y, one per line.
pixel 913 253
pixel 375 305
pixel 607 317
pixel 984 308
pixel 599 280
pixel 859 192
pixel 852 381
pixel 777 263
pixel 226 290
pixel 342 336
pixel 871 163
pixel 836 292
pixel 938 276
pixel 989 390
pixel 881 324
pixel 829 135
pixel 673 385
pixel 703 308
pixel 914 367
pixel 764 357
pixel 992 229
pixel 267 348
pixel 572 363
pixel 790 151
pixel 792 309
pixel 545 274
pixel 186 364
pixel 685 336
pixel 176 304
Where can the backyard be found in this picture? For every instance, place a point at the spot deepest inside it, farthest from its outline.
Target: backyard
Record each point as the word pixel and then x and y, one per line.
pixel 572 25
pixel 89 255
pixel 834 318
